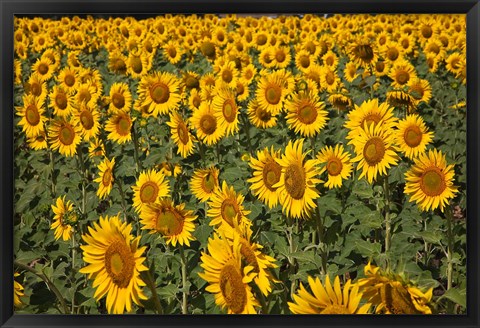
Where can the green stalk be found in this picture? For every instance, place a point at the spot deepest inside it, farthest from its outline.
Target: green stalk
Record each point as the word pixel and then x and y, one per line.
pixel 291 260
pixel 247 132
pixel 388 237
pixel 73 270
pixel 136 152
pixel 151 284
pixel 184 281
pixel 321 239
pixel 122 196
pixel 450 240
pixel 52 166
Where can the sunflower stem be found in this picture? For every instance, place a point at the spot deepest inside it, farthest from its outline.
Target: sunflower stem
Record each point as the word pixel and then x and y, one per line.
pixel 73 271
pixel 217 148
pixel 135 152
pixel 450 240
pixel 184 281
pixel 247 132
pixel 52 174
pixel 321 237
pixel 291 260
pixel 388 227
pixel 122 198
pixel 151 284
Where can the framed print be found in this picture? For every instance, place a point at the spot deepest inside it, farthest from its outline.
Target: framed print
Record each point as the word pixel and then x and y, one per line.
pixel 239 163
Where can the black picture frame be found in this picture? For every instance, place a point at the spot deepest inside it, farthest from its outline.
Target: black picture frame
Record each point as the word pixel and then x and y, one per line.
pixel 9 8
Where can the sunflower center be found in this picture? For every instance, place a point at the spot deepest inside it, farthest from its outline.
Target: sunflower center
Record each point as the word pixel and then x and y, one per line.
pixel 148 192
pixel 432 182
pixel 137 65
pixel 336 309
pixel 371 118
pixel 364 52
pixel 172 52
pixel 295 181
pixel 36 89
pixel 118 100
pixel 392 53
pixel 61 101
pixel 159 93
pixel 191 82
pixel 334 166
pixel 227 76
pixel 229 110
pixel 412 136
pixel 374 151
pixel 307 113
pixel 434 48
pixel 273 94
pixel 43 68
pixel 107 177
pixel 249 254
pixel 70 80
pixel 329 61
pixel 209 183
pixel 169 222
pixel 262 39
pixel 427 31
pixel 402 77
pixel 208 124
pixel 208 49
pixel 405 43
pixel 119 263
pixel 330 78
pixel 123 125
pixel 418 92
pixel 280 56
pixel 182 133
pixel 229 210
pixel 271 174
pixel 119 65
pixel 233 289
pixel 86 118
pixel 304 61
pixel 31 115
pixel 84 95
pixel 263 115
pixel 66 135
pixel 397 299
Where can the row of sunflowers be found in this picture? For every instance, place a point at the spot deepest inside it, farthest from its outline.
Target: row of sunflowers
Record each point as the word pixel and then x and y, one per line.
pixel 205 164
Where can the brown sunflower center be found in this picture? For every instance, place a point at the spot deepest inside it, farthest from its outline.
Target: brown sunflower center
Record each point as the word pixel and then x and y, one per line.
pixel 432 182
pixel 336 309
pixel 208 49
pixel 107 177
pixel 191 82
pixel 373 151
pixel 330 78
pixel 295 183
pixel 43 68
pixel 273 93
pixel 66 135
pixel 271 174
pixel 61 101
pixel 119 65
pixel 262 39
pixel 118 100
pixel 227 76
pixel 412 136
pixel 119 263
pixel 405 43
pixel 69 80
pixel 209 183
pixel 263 115
pixel 229 210
pixel 329 61
pixel 334 166
pixel 233 289
pixel 397 299
pixel 169 222
pixel 434 48
pixel 371 118
pixel 160 93
pixel 402 77
pixel 310 47
pixel 380 66
pixel 307 113
pixel 136 64
pixel 304 61
pixel 208 124
pixel 84 95
pixel 172 52
pixel 418 91
pixel 249 254
pixel 364 52
pixel 229 110
pixel 426 31
pixel 36 89
pixel 148 192
pixel 87 120
pixel 32 115
pixel 392 53
pixel 124 124
pixel 280 56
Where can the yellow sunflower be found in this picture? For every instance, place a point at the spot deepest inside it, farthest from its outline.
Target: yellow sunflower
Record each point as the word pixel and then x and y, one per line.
pixel 204 183
pixel 336 161
pixel 296 188
pixel 44 68
pixel 105 179
pixel 88 121
pixel 375 151
pixel 17 292
pixel 350 72
pixel 206 124
pixel 306 114
pixel 151 186
pixel 64 219
pixel 68 78
pixel 32 119
pixel 114 262
pixel 180 134
pixel 226 110
pixel 160 92
pixel 228 279
pixel 412 136
pixel 401 73
pixel 173 222
pixel 260 117
pixel 390 294
pixel 272 90
pixel 266 173
pixel 61 101
pixel 429 182
pixel 120 98
pixel 64 137
pixel 96 148
pixel 119 125
pixel 363 52
pixel 38 142
pixel 399 98
pixel 86 93
pixel 420 90
pixel 328 299
pixel 36 87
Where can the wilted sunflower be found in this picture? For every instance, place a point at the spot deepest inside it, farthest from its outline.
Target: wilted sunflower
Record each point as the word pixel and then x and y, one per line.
pixel 105 179
pixel 17 292
pixel 260 117
pixel 114 262
pixel 296 188
pixel 400 98
pixel 64 137
pixel 390 294
pixel 328 299
pixel 206 124
pixel 204 183
pixel 64 219
pixel 228 279
pixel 119 126
pixel 306 114
pixel 160 92
pixel 429 182
pixel 266 173
pixel 120 98
pixel 375 151
pixel 150 187
pixel 180 134
pixel 336 161
pixel 226 110
pixel 412 136
pixel 32 119
pixel 173 222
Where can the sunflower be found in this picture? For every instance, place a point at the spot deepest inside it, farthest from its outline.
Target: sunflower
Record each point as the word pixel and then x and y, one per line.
pixel 138 64
pixel 296 188
pixel 225 206
pixel 273 89
pixel 206 124
pixel 160 92
pixel 36 87
pixel 453 63
pixel 362 52
pixel 88 121
pixel 391 294
pixel 369 112
pixel 328 299
pixel 303 60
pixel 173 222
pixel 412 136
pixel 117 62
pixel 120 98
pixel 44 68
pixel 172 52
pixel 248 73
pixel 119 125
pixel 350 72
pixel 341 100
pixel 226 110
pixel 204 183
pixel 392 52
pixel 260 117
pixel 228 281
pixel 330 59
pixel 17 292
pixel 32 119
pixel 281 57
pixel 194 100
pixel 64 137
pixel 306 114
pixel 375 151
pixel 242 91
pixel 151 186
pixel 114 262
pixel 399 98
pixel 337 164
pixel 38 142
pixel 420 90
pixel 61 101
pixel 381 68
pixel 429 182
pixel 227 74
pixel 181 135
pixel 105 179
pixel 86 93
pixel 96 148
pixel 401 73
pixel 64 219
pixel 266 173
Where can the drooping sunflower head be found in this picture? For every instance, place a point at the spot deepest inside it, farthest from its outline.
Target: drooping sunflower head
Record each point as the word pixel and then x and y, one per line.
pixel 412 136
pixel 204 183
pixel 336 162
pixel 341 100
pixel 64 220
pixel 151 186
pixel 400 98
pixel 105 179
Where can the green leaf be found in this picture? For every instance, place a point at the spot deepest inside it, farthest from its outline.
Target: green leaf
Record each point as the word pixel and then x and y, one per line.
pixel 457 296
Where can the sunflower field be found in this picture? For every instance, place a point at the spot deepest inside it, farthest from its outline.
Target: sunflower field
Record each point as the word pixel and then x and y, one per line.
pixel 231 164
